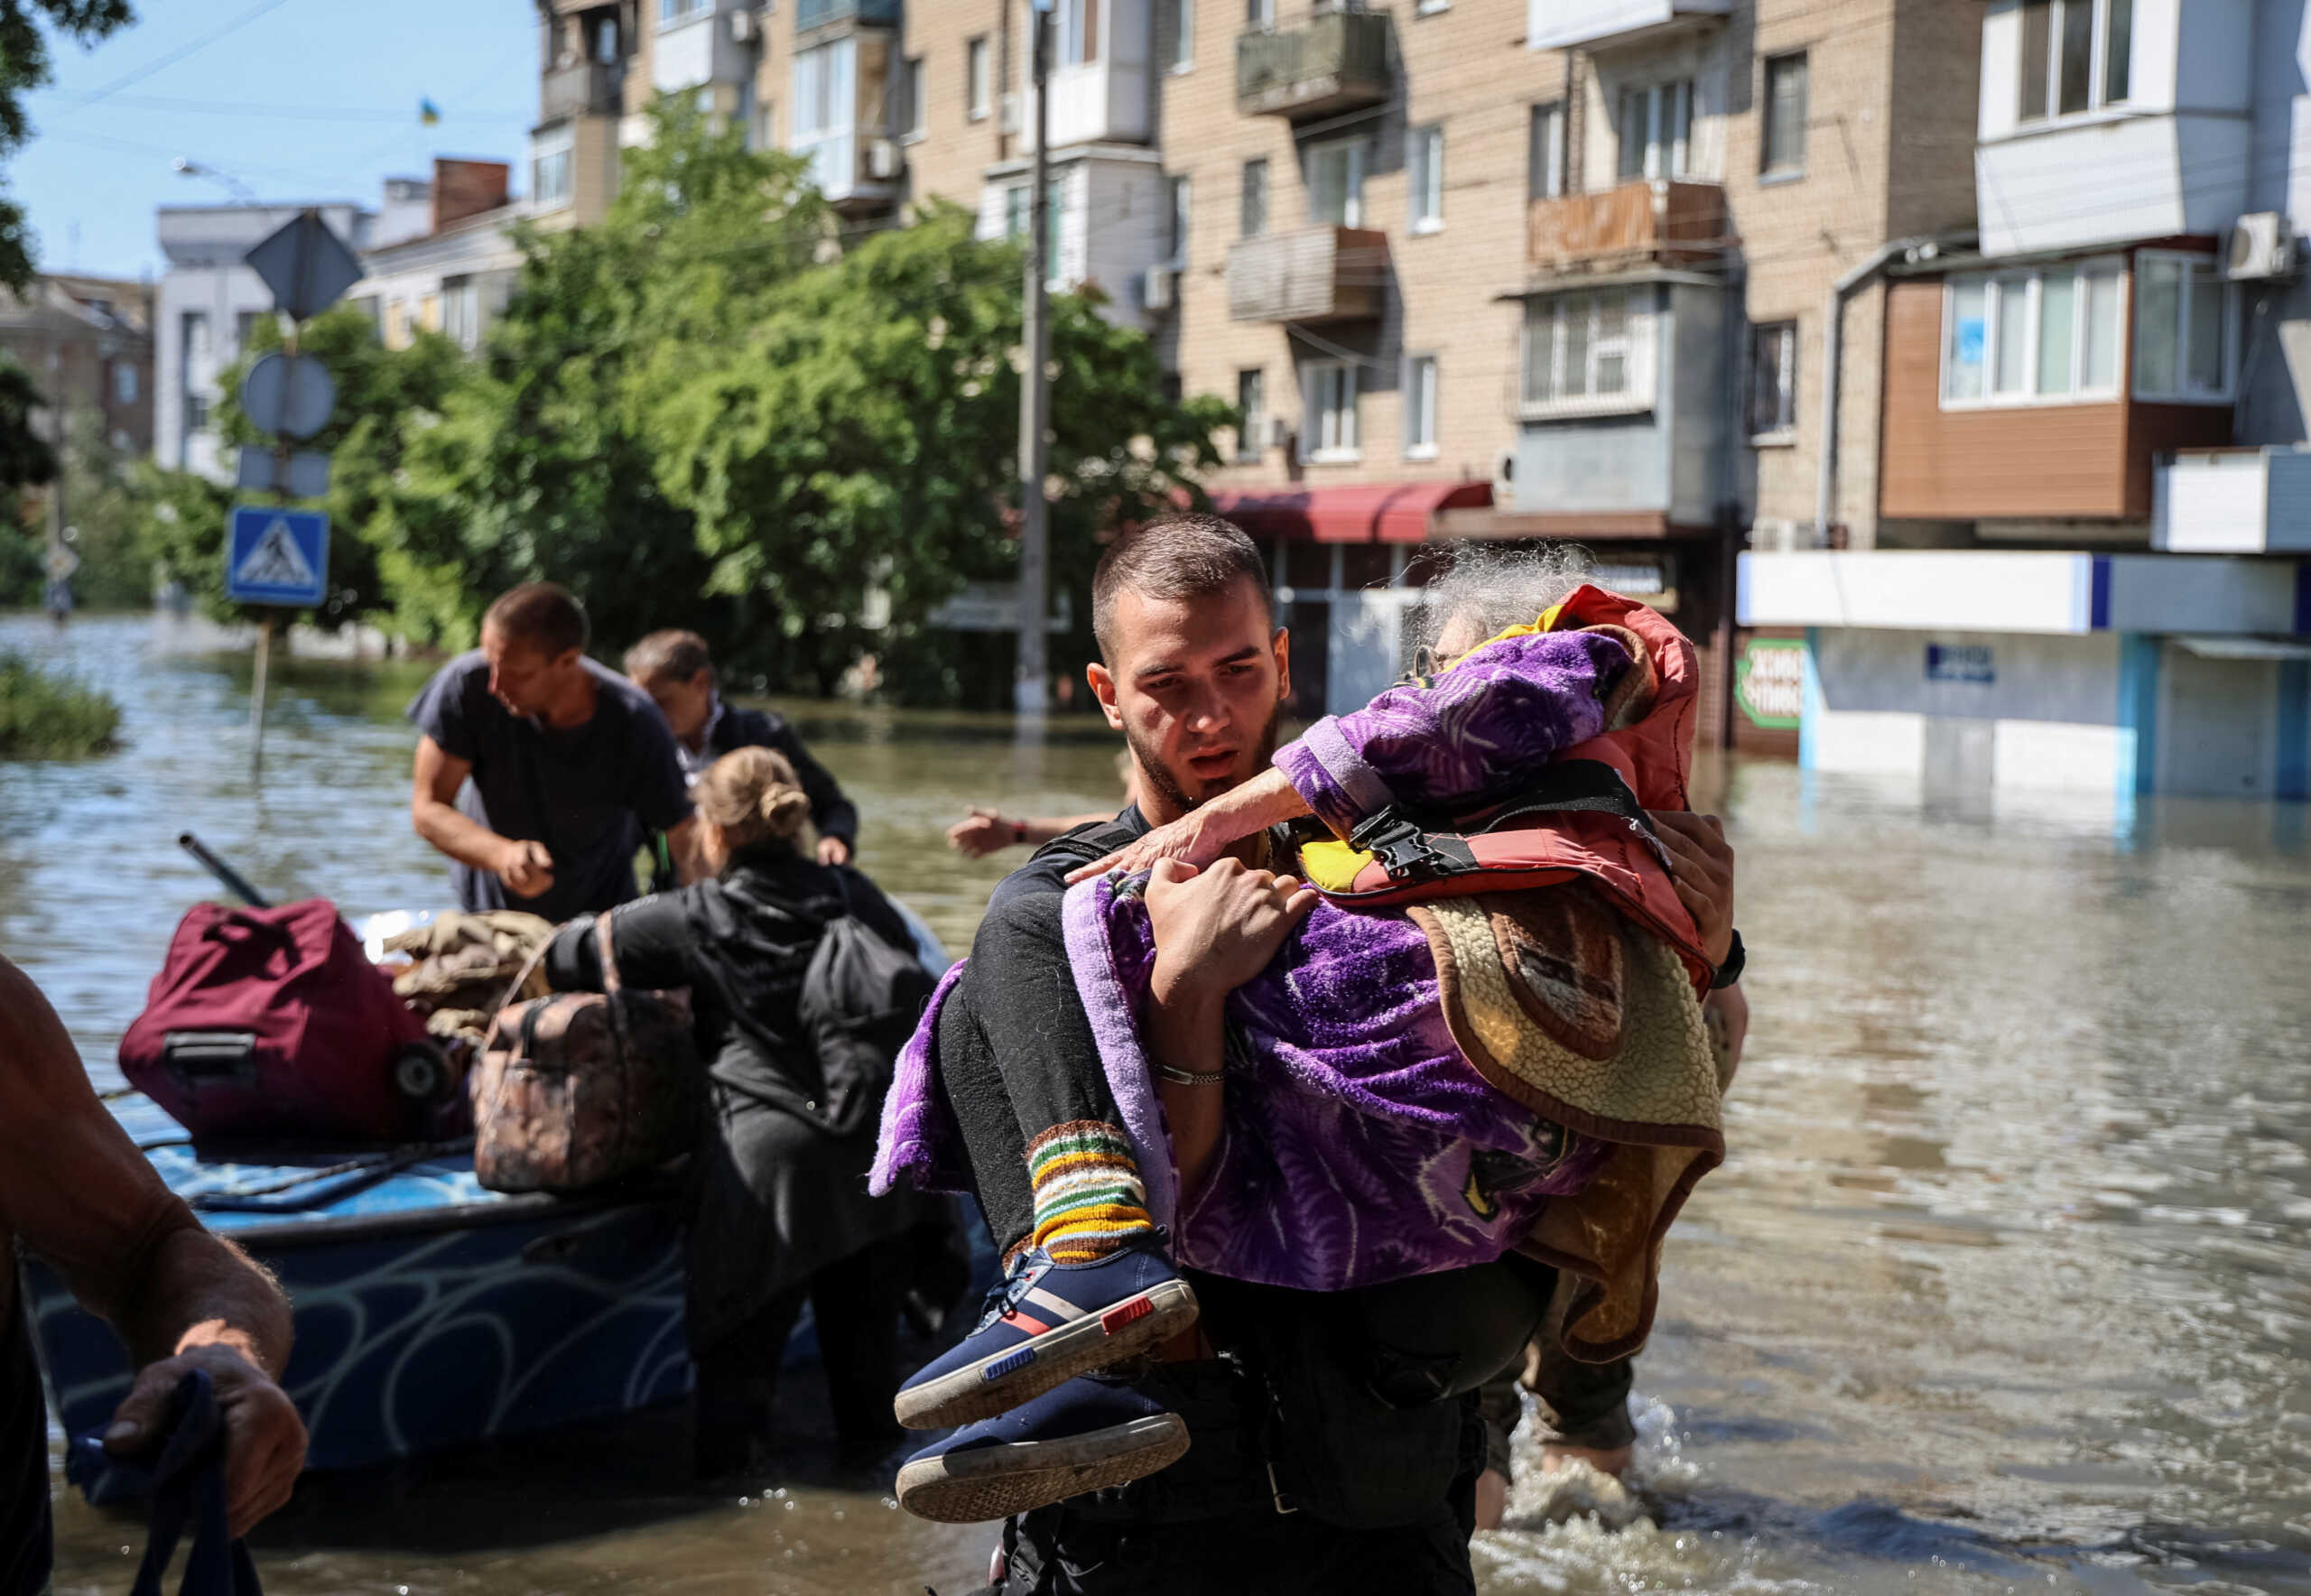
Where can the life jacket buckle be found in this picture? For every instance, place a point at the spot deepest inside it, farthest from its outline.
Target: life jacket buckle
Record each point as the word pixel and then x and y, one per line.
pixel 1398 846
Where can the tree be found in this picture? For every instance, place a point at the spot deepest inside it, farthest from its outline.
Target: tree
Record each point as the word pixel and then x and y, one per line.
pixel 857 448
pixel 25 460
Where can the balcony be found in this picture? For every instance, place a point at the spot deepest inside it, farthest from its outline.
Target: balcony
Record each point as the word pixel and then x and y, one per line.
pixel 2232 501
pixel 1325 274
pixel 587 88
pixel 1565 24
pixel 1337 60
pixel 813 14
pixel 1652 221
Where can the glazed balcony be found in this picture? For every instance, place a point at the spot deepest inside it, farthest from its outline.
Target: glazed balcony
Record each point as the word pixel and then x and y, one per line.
pixel 1322 274
pixel 1336 61
pixel 1652 220
pixel 1566 24
pixel 811 15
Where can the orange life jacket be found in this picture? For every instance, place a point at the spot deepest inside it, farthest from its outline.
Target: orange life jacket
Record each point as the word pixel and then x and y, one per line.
pixel 1584 821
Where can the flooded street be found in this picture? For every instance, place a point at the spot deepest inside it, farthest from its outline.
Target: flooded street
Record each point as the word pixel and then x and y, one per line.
pixel 2006 1282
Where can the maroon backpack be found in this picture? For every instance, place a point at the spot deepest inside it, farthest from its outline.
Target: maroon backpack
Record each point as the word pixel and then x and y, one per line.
pixel 273 1023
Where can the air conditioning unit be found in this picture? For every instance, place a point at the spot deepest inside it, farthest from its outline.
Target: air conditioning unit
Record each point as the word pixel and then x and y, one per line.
pixel 1160 292
pixel 1279 431
pixel 1504 479
pixel 744 26
pixel 883 160
pixel 2261 248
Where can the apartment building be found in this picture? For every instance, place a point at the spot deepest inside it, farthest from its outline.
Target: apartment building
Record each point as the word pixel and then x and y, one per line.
pixel 86 343
pixel 443 257
pixel 2092 425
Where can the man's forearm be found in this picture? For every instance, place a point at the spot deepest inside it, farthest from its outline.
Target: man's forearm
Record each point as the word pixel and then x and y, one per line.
pixel 203 1290
pixel 1188 1032
pixel 460 836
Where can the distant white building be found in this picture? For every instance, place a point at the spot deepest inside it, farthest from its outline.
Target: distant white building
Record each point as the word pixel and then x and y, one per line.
pixel 209 303
pixel 450 266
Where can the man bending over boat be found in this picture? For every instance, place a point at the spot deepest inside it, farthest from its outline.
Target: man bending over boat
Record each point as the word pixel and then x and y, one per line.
pixel 539 772
pixel 75 1189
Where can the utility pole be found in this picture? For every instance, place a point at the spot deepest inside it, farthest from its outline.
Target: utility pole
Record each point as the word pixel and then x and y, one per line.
pixel 1031 686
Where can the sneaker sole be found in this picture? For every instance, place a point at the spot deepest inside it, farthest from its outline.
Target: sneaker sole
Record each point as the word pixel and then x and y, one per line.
pixel 998 1482
pixel 1082 1346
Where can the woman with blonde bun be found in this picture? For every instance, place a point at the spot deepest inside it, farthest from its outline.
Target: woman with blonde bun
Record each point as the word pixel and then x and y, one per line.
pixel 780 1214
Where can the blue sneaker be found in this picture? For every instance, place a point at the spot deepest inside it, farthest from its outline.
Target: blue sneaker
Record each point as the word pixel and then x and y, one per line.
pixel 1085 1435
pixel 1047 1322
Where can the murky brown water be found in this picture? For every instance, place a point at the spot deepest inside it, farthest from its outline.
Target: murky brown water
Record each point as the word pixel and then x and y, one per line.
pixel 2007 1283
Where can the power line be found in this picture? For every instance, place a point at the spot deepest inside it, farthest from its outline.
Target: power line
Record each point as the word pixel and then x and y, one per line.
pixel 179 53
pixel 197 108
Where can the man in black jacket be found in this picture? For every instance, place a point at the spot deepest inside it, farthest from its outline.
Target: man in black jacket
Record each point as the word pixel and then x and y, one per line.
pixel 674 668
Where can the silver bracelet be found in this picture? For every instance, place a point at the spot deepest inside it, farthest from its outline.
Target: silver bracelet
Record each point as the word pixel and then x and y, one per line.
pixel 1192 1077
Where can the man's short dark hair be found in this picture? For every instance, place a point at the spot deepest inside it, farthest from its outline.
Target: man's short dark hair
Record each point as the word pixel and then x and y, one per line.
pixel 544 614
pixel 673 654
pixel 1178 557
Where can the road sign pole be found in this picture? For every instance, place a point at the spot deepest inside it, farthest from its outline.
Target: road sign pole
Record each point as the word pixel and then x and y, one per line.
pixel 256 697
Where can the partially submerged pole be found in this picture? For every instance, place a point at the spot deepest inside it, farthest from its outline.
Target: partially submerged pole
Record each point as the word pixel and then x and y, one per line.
pixel 1031 685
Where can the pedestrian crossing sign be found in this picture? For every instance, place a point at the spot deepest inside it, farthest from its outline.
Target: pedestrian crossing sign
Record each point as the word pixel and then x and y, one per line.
pixel 275 556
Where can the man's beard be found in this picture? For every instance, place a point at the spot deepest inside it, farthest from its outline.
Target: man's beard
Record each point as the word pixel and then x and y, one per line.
pixel 1164 785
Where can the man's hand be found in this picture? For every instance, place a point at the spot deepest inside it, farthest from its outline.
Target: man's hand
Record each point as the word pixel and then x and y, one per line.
pixel 983 833
pixel 525 868
pixel 1701 863
pixel 264 1440
pixel 834 850
pixel 1216 929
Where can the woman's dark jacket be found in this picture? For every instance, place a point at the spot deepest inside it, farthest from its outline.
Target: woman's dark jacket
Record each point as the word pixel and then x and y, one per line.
pixel 778 1198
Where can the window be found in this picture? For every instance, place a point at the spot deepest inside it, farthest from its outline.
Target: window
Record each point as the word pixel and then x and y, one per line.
pixel 1426 159
pixel 2186 328
pixel 1420 407
pixel 1588 351
pixel 243 325
pixel 1183 35
pixel 1656 126
pixel 1078 31
pixel 1545 160
pixel 674 11
pixel 1181 199
pixel 550 173
pixel 1330 425
pixel 196 413
pixel 1336 182
pixel 907 95
pixel 124 383
pixel 1018 200
pixel 1259 15
pixel 462 311
pixel 192 334
pixel 2020 337
pixel 2077 55
pixel 979 78
pixel 1785 129
pixel 1251 398
pixel 762 126
pixel 1251 207
pixel 1773 379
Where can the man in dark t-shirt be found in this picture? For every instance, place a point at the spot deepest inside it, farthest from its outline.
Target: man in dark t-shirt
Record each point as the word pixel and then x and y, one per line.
pixel 539 772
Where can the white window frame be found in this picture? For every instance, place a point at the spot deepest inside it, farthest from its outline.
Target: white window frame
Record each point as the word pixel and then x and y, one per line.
pixel 978 78
pixel 1544 151
pixel 562 146
pixel 1181 194
pixel 1329 433
pixel 2194 266
pixel 1425 179
pixel 670 12
pixel 1183 38
pixel 1786 336
pixel 1260 15
pixel 2031 282
pixel 2099 100
pixel 1358 153
pixel 1423 404
pixel 1252 438
pixel 1073 21
pixel 1666 154
pixel 910 126
pixel 1635 345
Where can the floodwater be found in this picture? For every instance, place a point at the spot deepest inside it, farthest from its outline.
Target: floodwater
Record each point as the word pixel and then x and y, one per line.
pixel 2005 1285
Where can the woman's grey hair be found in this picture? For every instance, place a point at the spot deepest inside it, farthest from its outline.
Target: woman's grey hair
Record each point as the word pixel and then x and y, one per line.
pixel 1493 587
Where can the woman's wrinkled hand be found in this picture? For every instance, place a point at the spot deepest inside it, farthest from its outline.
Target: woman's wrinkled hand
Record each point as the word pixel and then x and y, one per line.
pixel 1701 865
pixel 1187 839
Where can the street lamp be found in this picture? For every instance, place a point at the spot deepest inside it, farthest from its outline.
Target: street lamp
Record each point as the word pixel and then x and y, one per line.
pixel 188 167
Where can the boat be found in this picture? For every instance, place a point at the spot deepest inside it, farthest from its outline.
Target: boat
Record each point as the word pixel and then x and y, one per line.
pixel 431 1313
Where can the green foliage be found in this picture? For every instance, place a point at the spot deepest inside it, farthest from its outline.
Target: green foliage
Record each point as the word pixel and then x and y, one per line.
pixel 23 67
pixel 46 717
pixel 179 521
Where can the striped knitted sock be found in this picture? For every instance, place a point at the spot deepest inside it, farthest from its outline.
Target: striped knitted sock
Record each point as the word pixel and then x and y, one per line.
pixel 1089 1197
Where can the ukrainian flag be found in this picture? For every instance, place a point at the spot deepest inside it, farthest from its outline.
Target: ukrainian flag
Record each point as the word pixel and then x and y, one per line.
pixel 428 112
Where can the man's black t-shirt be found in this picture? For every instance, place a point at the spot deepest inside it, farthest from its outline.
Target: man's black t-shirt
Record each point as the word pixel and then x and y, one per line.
pixel 25 1538
pixel 589 793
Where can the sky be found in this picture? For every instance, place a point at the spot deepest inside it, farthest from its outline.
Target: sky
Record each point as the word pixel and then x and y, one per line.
pixel 298 99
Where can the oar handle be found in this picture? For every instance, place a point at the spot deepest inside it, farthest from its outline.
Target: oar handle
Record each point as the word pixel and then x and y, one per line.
pixel 233 881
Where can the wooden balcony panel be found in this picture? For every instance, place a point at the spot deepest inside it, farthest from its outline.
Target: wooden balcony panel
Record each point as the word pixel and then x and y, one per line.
pixel 1322 274
pixel 1652 219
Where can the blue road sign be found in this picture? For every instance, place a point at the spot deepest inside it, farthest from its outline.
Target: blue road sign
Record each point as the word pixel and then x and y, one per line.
pixel 276 556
